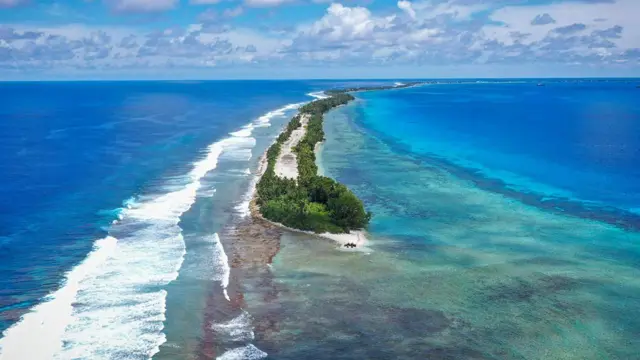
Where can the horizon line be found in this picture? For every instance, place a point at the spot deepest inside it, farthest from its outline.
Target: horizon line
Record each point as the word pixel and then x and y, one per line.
pixel 325 79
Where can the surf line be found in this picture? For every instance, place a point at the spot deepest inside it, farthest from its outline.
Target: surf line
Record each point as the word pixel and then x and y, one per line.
pixel 50 320
pixel 240 327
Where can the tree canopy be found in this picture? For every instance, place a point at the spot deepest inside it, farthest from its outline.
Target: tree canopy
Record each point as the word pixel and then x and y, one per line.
pixel 313 202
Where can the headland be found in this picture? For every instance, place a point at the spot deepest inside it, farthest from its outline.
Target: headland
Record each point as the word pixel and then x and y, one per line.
pixel 291 194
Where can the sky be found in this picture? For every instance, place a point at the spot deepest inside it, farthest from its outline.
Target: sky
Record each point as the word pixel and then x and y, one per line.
pixel 273 39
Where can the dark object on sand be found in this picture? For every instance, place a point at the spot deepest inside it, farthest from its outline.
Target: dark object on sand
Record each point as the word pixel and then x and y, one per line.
pixel 349 245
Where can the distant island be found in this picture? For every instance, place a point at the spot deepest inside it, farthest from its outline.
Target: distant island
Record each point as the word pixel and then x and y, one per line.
pixel 292 194
pixel 372 88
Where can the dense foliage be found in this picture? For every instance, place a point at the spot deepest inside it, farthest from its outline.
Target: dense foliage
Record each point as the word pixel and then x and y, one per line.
pixel 369 88
pixel 315 203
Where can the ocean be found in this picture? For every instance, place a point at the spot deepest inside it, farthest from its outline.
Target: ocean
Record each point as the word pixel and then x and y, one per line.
pixel 505 223
pixel 569 145
pixel 107 188
pixel 505 227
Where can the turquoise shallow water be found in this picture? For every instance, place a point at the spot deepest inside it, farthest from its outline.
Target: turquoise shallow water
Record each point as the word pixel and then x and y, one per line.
pixel 456 271
pixel 568 146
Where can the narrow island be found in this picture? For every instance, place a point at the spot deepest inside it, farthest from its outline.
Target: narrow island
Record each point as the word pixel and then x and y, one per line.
pixel 290 193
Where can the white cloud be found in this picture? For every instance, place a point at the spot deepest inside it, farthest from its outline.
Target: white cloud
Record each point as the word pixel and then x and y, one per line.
pixel 451 8
pixel 432 32
pixel 596 16
pixel 407 7
pixel 81 47
pixel 342 23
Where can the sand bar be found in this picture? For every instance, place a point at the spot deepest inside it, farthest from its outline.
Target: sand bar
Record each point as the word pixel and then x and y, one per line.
pixel 287 164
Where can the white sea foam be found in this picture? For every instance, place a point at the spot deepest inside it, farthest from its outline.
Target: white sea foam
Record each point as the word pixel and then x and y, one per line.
pixel 113 303
pixel 119 306
pixel 243 208
pixel 318 95
pixel 206 193
pixel 240 150
pixel 237 329
pixel 247 352
pixel 265 120
pixel 148 258
pixel 221 265
pixel 129 202
pixel 122 310
pixel 244 132
pixel 37 335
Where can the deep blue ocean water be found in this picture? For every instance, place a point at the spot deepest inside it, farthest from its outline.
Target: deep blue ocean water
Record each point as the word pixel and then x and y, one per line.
pixel 72 152
pixel 112 198
pixel 78 156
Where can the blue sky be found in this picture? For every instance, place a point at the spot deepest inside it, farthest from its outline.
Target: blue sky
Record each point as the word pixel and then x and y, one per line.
pixel 209 39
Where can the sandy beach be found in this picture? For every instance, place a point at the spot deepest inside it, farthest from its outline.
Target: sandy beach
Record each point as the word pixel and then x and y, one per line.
pixel 287 167
pixel 287 164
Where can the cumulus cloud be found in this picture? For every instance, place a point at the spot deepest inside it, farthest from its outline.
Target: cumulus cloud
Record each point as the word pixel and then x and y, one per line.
pixel 614 32
pixel 450 10
pixel 407 7
pixel 570 29
pixel 354 35
pixel 433 32
pixel 80 48
pixel 10 34
pixel 129 42
pixel 448 32
pixel 346 23
pixel 543 19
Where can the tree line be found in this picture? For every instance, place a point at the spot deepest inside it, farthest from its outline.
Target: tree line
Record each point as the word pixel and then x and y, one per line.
pixel 315 203
pixel 369 88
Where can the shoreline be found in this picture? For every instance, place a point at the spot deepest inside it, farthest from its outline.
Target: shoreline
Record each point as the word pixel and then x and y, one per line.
pixel 357 237
pixel 287 161
pixel 281 163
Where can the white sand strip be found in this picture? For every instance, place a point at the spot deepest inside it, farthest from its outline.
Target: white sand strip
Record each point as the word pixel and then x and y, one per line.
pixel 287 163
pixel 356 237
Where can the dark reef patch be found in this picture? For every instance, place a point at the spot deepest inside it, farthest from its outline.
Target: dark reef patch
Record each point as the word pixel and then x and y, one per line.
pixel 520 290
pixel 545 261
pixel 460 352
pixel 418 321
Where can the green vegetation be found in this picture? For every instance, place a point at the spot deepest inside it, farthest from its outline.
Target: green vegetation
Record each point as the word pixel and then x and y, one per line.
pixel 314 203
pixel 369 88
